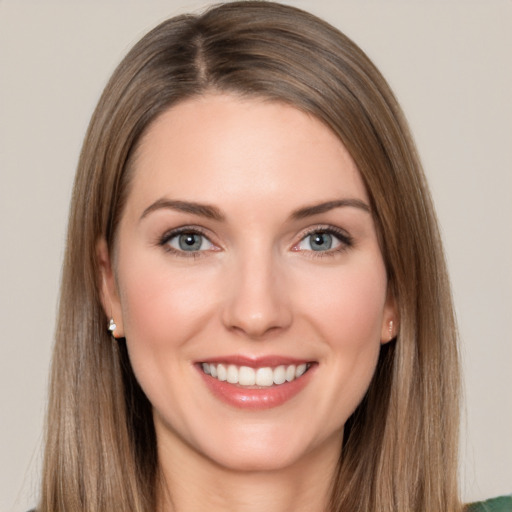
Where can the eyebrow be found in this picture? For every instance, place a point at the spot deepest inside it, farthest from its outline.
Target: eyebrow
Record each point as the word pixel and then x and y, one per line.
pixel 309 211
pixel 212 212
pixel 202 210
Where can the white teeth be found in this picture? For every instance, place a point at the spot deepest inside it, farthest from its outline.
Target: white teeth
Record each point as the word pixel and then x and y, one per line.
pixel 279 375
pixel 247 376
pixel 290 373
pixel 300 370
pixel 222 374
pixel 232 374
pixel 264 377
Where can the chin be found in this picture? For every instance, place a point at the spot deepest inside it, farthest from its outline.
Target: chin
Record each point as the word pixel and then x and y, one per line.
pixel 249 459
pixel 269 448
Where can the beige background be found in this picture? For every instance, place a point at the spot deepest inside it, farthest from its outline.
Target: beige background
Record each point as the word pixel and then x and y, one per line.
pixel 450 65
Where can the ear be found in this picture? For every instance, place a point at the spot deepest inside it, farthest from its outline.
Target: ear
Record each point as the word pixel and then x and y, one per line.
pixel 108 288
pixel 390 319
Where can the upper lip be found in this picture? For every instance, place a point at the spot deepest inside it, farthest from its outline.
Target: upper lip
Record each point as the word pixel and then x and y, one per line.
pixel 256 362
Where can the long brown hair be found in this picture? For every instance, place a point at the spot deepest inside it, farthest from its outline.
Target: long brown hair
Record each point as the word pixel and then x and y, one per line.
pixel 399 449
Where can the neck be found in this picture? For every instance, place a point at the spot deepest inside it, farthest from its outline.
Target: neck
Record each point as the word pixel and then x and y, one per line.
pixel 191 482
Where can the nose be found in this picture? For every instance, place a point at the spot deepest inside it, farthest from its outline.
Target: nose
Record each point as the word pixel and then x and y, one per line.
pixel 258 301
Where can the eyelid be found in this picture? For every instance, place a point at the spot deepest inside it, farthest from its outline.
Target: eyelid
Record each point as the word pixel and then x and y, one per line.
pixel 345 239
pixel 168 235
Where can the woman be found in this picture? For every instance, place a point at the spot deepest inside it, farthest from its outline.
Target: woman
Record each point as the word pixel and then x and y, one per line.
pixel 251 221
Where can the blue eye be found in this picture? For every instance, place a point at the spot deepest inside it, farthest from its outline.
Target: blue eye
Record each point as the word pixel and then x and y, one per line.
pixel 323 240
pixel 189 241
pixel 320 241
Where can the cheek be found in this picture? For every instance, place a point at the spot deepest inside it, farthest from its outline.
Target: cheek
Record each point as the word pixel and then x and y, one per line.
pixel 163 309
pixel 157 298
pixel 348 319
pixel 349 307
pixel 350 322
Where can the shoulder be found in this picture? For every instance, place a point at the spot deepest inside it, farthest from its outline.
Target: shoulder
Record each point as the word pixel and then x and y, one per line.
pixel 501 504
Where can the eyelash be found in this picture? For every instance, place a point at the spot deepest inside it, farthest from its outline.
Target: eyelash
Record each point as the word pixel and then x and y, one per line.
pixel 169 235
pixel 346 241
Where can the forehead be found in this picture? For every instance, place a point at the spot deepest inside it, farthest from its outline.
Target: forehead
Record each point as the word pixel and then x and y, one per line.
pixel 220 147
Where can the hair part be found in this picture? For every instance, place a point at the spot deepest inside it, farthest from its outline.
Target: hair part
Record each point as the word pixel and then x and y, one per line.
pixel 399 449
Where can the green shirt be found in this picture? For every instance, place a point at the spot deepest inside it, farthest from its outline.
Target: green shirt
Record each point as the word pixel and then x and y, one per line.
pixel 501 504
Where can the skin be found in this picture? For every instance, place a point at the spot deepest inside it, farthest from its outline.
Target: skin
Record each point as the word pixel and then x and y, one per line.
pixel 255 288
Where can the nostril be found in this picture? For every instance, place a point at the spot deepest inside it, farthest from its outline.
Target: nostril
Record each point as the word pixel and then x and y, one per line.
pixel 256 322
pixel 255 331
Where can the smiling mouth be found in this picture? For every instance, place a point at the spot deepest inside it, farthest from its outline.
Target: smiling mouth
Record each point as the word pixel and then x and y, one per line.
pixel 263 377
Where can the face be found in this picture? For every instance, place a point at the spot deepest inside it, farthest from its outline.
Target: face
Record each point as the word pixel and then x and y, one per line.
pixel 248 282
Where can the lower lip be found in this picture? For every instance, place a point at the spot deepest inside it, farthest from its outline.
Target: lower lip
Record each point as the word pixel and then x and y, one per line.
pixel 256 398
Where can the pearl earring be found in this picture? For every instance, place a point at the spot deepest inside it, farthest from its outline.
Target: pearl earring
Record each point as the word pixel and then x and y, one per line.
pixel 112 326
pixel 390 330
